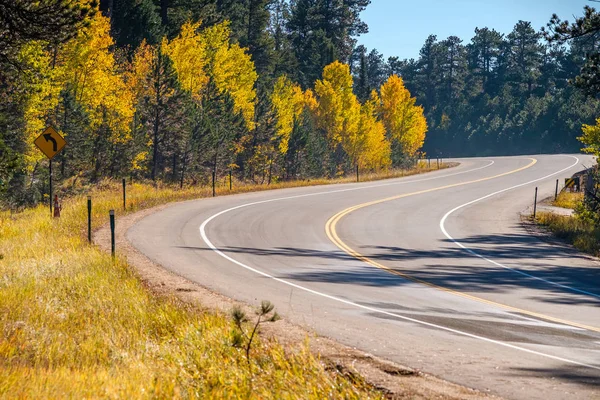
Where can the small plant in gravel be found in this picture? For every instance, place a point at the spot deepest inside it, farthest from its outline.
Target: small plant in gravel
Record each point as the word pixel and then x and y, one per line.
pixel 243 337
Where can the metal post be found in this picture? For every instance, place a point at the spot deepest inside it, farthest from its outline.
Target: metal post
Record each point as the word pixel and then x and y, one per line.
pixel 214 178
pixel 438 163
pixel 51 197
pixel 356 172
pixel 230 184
pixel 429 161
pixel 124 196
pixel 535 203
pixel 556 191
pixel 89 207
pixel 112 232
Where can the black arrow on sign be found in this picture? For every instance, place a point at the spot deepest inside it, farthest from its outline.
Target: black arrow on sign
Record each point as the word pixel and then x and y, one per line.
pixel 49 138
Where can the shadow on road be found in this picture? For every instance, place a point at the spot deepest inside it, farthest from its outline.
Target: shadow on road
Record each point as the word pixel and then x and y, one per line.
pixel 452 267
pixel 569 373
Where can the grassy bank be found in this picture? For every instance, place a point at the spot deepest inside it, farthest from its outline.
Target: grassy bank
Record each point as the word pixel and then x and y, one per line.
pixel 75 324
pixel 568 200
pixel 575 230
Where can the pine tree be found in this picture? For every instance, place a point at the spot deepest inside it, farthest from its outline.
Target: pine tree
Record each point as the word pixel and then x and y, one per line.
pixel 525 56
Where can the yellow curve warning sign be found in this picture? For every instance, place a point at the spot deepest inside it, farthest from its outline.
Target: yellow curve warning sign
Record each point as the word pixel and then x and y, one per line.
pixel 50 142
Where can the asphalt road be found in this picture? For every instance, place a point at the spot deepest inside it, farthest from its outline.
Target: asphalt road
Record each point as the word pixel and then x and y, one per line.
pixel 433 271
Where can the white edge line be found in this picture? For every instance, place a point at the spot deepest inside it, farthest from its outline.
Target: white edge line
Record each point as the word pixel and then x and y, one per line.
pixel 474 253
pixel 372 309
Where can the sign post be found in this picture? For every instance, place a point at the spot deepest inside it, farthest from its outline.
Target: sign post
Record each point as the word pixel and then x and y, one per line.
pixel 111 214
pixel 535 203
pixel 50 143
pixel 89 208
pixel 50 188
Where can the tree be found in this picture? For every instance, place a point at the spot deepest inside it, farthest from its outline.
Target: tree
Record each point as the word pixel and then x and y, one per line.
pixel 525 55
pixel 53 21
pixel 133 21
pixel 591 138
pixel 429 70
pixel 322 31
pixel 90 72
pixel 484 51
pixel 373 147
pixel 189 55
pixel 404 121
pixel 584 32
pixel 163 97
pixel 338 112
pixel 282 57
pixel 232 70
pixel 376 71
pixel 222 129
pixel 453 65
pixel 288 102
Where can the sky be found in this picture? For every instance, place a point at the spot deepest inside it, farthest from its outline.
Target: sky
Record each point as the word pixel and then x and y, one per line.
pixel 400 27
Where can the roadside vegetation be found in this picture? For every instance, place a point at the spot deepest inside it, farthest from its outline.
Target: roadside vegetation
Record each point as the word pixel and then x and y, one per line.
pixel 568 199
pixel 580 229
pixel 76 324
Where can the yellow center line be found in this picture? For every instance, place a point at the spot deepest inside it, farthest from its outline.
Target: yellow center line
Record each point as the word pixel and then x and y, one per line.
pixel 330 230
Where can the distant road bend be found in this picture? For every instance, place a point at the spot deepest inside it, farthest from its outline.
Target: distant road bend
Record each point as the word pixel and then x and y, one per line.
pixel 432 271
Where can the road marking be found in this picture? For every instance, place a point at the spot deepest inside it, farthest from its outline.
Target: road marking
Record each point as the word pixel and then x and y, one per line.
pixel 330 230
pixel 445 217
pixel 204 236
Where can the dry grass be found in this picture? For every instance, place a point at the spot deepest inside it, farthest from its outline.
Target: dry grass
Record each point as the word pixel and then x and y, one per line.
pixel 577 231
pixel 76 324
pixel 568 200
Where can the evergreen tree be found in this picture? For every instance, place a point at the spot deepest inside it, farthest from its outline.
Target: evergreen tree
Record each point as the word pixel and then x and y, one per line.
pixel 525 56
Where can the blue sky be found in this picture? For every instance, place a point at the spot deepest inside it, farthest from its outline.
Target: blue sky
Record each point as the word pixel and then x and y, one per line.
pixel 400 27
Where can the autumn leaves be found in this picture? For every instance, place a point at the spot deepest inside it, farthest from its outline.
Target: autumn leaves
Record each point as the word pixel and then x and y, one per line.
pixel 191 102
pixel 366 132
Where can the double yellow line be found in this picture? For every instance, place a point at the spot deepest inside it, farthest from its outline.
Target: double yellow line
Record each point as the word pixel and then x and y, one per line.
pixel 331 231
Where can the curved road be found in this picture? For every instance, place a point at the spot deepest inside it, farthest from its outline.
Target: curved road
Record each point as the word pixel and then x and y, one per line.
pixel 432 271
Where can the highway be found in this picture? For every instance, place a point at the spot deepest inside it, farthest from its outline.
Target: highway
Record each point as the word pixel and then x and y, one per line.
pixel 434 271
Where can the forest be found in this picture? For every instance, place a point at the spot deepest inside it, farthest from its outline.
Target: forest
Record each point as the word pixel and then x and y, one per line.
pixel 187 91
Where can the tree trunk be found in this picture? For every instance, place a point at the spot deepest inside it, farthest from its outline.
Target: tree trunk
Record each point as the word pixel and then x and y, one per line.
pixel 164 16
pixel 270 171
pixel 183 167
pixel 214 171
pixel 155 146
pixel 156 124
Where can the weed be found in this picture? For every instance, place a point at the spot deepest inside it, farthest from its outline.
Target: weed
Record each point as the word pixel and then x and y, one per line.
pixel 242 335
pixel 576 230
pixel 568 199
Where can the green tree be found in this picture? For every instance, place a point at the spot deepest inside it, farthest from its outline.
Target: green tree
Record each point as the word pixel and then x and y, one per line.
pixel 525 56
pixel 584 32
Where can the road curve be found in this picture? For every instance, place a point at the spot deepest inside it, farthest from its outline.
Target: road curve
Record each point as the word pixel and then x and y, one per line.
pixel 432 271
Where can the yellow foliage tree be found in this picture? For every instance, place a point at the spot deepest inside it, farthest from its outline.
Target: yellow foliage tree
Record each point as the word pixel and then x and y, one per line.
pixel 140 69
pixel 374 151
pixel 404 121
pixel 40 80
pixel 591 138
pixel 86 67
pixel 232 69
pixel 188 53
pixel 338 110
pixel 288 103
pixel 138 79
pixel 89 70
